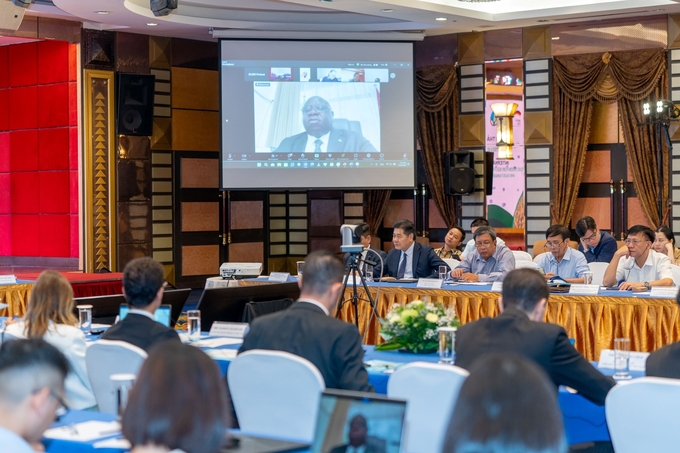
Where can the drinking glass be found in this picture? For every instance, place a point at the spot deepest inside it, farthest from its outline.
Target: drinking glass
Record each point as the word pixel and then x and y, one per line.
pixel 299 267
pixel 194 325
pixel 621 358
pixel 447 344
pixel 443 272
pixel 85 318
pixel 368 272
pixel 122 384
pixel 588 278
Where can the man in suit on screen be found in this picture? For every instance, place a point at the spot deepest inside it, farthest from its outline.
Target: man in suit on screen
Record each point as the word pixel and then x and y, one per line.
pixel 308 330
pixel 320 136
pixel 408 258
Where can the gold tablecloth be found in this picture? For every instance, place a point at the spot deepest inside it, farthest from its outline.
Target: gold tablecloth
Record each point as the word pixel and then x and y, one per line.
pixel 16 296
pixel 593 321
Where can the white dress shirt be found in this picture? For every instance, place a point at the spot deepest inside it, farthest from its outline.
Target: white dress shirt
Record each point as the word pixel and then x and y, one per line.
pixel 408 271
pixel 137 311
pixel 311 146
pixel 656 267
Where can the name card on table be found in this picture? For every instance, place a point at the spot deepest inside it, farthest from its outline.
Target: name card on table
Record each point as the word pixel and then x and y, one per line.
pixel 8 279
pixel 664 292
pixel 584 289
pixel 280 277
pixel 497 287
pixel 434 283
pixel 229 329
pixel 637 361
pixel 607 359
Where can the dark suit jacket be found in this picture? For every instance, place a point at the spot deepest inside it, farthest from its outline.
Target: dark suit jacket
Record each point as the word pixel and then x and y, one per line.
pixel 425 262
pixel 333 346
pixel 340 141
pixel 546 344
pixel 140 331
pixel 665 362
pixel 369 449
pixel 370 256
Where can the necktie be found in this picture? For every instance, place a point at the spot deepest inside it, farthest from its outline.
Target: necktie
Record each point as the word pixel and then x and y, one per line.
pixel 317 145
pixel 402 267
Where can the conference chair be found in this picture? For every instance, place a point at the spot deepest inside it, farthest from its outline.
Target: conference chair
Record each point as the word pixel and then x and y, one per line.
pixel 521 255
pixel 451 263
pixel 275 394
pixel 675 269
pixel 431 391
pixel 641 413
pixel 524 264
pixel 106 357
pixel 598 270
pixel 538 248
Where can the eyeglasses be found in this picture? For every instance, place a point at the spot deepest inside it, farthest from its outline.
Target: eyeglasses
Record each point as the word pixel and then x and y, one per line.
pixel 553 244
pixel 485 244
pixel 633 241
pixel 63 408
pixel 590 238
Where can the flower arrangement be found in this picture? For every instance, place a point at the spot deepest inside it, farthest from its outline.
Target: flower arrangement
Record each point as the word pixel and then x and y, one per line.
pixel 413 327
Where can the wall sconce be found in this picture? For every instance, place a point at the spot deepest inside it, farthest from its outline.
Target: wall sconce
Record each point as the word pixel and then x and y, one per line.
pixel 503 114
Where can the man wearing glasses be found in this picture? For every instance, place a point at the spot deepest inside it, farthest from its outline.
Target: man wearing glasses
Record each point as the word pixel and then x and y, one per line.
pixel 560 260
pixel 597 246
pixel 32 374
pixel 489 262
pixel 636 266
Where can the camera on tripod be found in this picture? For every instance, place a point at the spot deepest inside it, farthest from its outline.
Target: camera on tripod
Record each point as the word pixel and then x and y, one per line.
pixel 351 238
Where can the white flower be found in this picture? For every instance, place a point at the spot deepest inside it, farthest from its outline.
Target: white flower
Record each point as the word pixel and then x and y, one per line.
pixel 431 317
pixel 394 319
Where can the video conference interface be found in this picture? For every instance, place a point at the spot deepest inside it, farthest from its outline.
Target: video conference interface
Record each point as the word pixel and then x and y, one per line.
pixel 309 113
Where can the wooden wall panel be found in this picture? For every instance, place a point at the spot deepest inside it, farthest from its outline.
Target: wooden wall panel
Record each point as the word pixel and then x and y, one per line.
pixel 536 43
pixel 538 128
pixel 247 252
pixel 472 132
pixel 673 31
pixel 160 50
pixel 200 173
pixel 200 216
pixel 605 126
pixel 200 260
pixel 195 130
pixel 195 89
pixel 470 48
pixel 597 167
pixel 246 215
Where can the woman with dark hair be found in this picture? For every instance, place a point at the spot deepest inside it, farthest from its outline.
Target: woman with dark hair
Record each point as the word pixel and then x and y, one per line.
pixel 49 316
pixel 664 242
pixel 506 405
pixel 178 402
pixel 452 241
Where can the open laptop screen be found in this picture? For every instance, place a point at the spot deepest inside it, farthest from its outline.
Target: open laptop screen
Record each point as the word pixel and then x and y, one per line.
pixel 358 419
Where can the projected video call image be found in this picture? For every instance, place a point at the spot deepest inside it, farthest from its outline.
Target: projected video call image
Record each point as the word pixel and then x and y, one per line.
pixel 316 117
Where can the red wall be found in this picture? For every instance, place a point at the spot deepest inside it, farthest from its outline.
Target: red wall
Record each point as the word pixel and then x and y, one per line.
pixel 39 150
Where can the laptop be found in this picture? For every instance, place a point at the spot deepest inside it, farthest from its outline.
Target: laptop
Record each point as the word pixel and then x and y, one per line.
pixel 357 418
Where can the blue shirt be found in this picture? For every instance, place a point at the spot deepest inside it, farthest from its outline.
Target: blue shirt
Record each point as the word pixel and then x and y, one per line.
pixel 604 252
pixel 492 270
pixel 573 264
pixel 11 441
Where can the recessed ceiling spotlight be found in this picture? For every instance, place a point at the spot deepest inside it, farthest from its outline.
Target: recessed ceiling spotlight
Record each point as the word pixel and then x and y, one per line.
pixel 542 20
pixel 440 18
pixel 387 10
pixel 326 1
pixel 151 24
pixel 102 12
pixel 658 10
pixel 555 38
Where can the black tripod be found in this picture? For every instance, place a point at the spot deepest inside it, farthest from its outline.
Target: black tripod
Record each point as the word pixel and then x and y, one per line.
pixel 355 273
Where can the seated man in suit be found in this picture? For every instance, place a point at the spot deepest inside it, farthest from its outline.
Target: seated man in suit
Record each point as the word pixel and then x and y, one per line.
pixel 520 329
pixel 489 262
pixel 307 329
pixel 143 289
pixel 369 255
pixel 597 246
pixel 32 374
pixel 320 136
pixel 408 258
pixel 665 362
pixel 636 266
pixel 359 440
pixel 561 260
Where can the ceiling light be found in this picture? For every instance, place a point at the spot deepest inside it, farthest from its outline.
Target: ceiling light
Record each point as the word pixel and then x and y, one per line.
pixel 326 1
pixel 658 10
pixel 555 38
pixel 440 18
pixel 102 12
pixel 387 10
pixel 151 24
pixel 542 20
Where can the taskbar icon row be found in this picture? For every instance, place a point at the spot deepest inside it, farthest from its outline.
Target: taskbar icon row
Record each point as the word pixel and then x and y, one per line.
pixel 323 164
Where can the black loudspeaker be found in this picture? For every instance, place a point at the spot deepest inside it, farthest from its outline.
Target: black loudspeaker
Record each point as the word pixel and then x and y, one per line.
pixel 459 176
pixel 162 7
pixel 135 104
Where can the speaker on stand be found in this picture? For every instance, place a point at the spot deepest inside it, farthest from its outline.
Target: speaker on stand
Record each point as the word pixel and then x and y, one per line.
pixel 135 97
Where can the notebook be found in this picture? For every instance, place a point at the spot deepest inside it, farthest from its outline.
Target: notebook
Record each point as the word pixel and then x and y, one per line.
pixel 356 418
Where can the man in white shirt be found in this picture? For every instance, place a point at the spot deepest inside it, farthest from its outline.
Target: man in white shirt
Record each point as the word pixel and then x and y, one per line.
pixel 470 246
pixel 32 374
pixel 636 266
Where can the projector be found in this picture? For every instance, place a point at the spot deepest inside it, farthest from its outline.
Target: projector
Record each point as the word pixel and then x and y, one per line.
pixel 240 270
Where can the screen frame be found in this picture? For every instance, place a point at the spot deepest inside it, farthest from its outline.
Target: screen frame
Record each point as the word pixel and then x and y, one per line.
pixel 277 189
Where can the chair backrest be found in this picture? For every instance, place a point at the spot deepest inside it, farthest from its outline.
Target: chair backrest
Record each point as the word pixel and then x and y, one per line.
pixel 254 309
pixel 275 394
pixel 539 247
pixel 675 269
pixel 522 264
pixel 451 263
pixel 620 244
pixel 640 414
pixel 431 391
pixel 106 357
pixel 598 272
pixel 522 255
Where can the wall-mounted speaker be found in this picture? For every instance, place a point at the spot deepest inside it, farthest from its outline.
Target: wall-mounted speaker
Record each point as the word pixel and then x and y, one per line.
pixel 135 104
pixel 459 174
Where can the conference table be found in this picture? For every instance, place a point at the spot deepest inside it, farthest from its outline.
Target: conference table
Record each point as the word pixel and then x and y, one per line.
pixel 593 321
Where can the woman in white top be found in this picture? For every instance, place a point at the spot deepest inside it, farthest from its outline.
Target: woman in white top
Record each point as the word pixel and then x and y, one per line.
pixel 50 316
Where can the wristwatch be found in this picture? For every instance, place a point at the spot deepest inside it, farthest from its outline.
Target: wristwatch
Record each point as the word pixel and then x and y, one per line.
pixel 649 288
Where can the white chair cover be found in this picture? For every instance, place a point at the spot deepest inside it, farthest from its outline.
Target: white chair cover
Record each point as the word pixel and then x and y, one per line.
pixel 640 415
pixel 521 255
pixel 431 391
pixel 106 357
pixel 275 394
pixel 451 263
pixel 522 264
pixel 598 272
pixel 675 269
